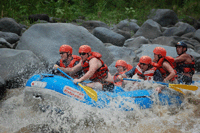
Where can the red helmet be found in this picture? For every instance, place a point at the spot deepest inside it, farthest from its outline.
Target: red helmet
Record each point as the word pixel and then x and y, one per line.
pixel 85 49
pixel 65 48
pixel 145 59
pixel 121 63
pixel 160 51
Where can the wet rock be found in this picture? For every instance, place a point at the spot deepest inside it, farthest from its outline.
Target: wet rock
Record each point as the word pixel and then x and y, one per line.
pixel 5 43
pixel 108 36
pixel 127 25
pixel 165 17
pixel 150 30
pixel 17 66
pixel 135 43
pixel 9 37
pixel 44 40
pixel 10 25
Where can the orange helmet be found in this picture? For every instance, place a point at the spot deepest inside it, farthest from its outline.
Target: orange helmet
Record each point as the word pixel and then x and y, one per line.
pixel 160 51
pixel 145 59
pixel 121 63
pixel 85 49
pixel 65 48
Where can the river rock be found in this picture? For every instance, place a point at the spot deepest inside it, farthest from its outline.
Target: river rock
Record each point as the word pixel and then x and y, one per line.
pixel 165 17
pixel 149 29
pixel 17 65
pixel 44 40
pixel 10 25
pixel 108 36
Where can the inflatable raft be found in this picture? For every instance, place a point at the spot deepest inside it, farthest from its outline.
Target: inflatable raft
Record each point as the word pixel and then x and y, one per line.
pixel 124 100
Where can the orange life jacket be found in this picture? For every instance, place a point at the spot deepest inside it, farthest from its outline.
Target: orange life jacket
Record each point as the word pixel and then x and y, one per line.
pixel 186 67
pixel 71 64
pixel 101 73
pixel 162 71
pixel 75 58
pixel 147 75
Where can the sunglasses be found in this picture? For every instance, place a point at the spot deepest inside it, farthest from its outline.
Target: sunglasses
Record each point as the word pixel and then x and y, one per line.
pixel 82 53
pixel 143 64
pixel 62 52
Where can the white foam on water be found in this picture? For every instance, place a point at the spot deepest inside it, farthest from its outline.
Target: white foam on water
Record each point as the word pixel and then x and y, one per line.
pixel 74 116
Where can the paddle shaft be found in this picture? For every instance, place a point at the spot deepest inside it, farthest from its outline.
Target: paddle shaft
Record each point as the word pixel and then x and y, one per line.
pixel 65 74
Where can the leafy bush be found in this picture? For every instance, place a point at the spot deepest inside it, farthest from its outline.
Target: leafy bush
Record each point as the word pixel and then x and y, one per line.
pixel 108 11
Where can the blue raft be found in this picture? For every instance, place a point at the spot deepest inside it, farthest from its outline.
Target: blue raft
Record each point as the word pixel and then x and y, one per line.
pixel 142 98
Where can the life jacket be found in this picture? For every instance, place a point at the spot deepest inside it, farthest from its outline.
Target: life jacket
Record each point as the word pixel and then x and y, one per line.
pixel 162 71
pixel 147 75
pixel 118 82
pixel 186 67
pixel 129 67
pixel 100 73
pixel 75 58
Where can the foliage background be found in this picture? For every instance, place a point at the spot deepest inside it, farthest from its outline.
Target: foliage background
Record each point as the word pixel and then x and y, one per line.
pixel 108 11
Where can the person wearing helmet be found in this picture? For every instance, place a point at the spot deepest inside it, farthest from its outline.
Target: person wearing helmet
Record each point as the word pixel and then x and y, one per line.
pixel 164 64
pixel 144 70
pixel 185 63
pixel 67 59
pixel 122 67
pixel 94 68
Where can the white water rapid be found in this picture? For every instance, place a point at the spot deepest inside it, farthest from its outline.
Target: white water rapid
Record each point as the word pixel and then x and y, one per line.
pixel 76 117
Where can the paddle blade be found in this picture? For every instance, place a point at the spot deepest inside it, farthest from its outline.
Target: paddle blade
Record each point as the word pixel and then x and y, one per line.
pixel 91 93
pixel 187 87
pixel 176 89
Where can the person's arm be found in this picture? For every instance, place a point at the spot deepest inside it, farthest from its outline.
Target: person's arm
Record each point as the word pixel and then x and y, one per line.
pixel 94 65
pixel 157 76
pixel 131 72
pixel 181 58
pixel 70 71
pixel 171 71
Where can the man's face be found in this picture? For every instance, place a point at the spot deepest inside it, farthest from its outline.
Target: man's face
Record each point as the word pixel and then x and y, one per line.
pixel 156 57
pixel 84 56
pixel 143 66
pixel 63 55
pixel 179 49
pixel 120 69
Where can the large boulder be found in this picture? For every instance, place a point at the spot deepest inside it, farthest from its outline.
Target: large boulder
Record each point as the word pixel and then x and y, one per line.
pixel 197 35
pixel 184 29
pixel 44 40
pixel 165 17
pixel 127 25
pixel 135 43
pixel 10 25
pixel 9 37
pixel 149 29
pixel 118 53
pixel 17 65
pixel 109 36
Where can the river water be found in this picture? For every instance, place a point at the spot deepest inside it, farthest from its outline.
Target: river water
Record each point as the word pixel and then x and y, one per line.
pixel 76 117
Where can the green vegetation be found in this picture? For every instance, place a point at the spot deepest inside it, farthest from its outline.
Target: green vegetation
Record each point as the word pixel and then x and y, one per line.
pixel 108 11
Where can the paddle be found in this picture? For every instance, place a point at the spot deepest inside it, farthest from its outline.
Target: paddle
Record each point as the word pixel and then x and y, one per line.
pixel 91 93
pixel 173 86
